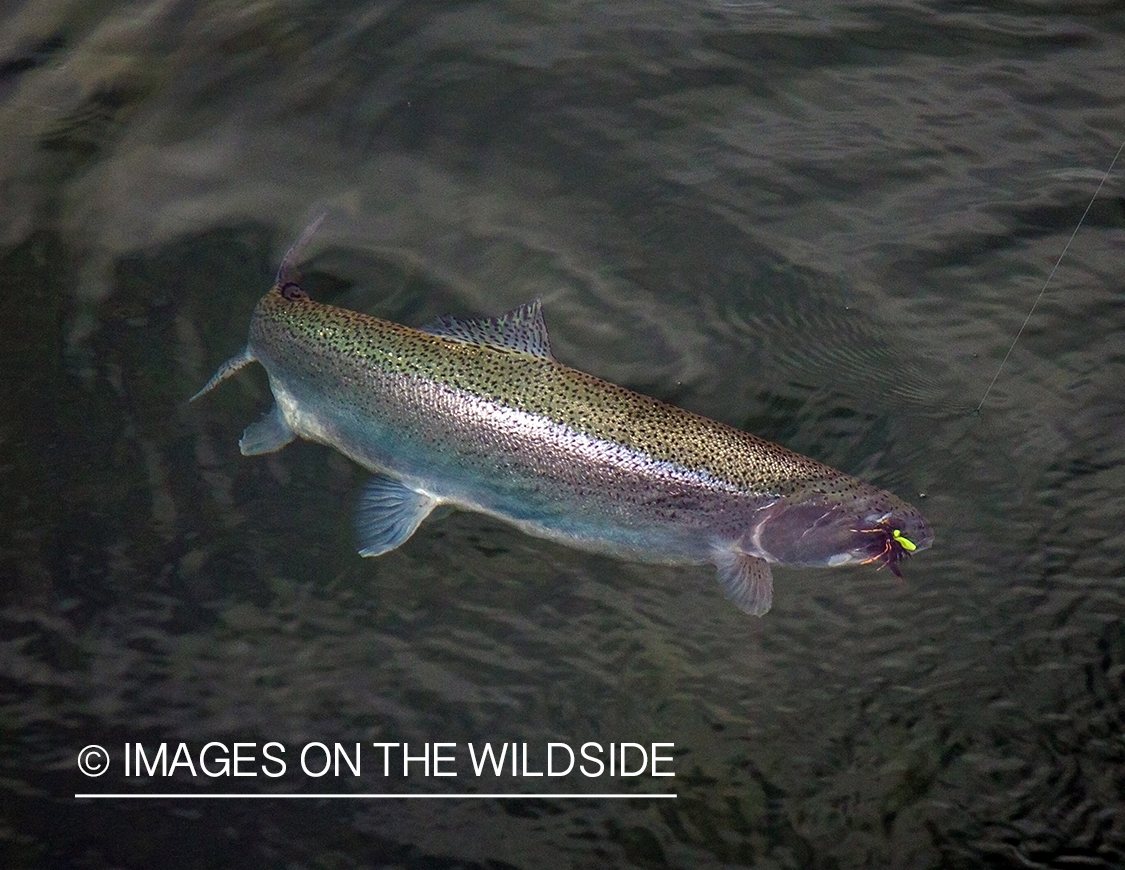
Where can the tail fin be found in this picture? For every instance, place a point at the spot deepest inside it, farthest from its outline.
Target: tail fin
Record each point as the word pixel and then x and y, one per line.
pixel 225 371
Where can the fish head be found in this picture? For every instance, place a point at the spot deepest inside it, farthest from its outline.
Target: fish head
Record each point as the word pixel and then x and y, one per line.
pixel 887 537
pixel 849 525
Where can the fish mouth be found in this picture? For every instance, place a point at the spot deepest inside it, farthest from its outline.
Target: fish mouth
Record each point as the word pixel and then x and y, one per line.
pixel 887 545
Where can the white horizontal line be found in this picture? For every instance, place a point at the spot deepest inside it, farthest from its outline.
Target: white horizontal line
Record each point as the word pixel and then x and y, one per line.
pixel 246 796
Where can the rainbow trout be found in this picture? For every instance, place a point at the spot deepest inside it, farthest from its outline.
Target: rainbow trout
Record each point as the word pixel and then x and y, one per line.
pixel 478 414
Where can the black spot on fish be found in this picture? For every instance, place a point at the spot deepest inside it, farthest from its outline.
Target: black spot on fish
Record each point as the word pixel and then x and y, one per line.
pixel 292 292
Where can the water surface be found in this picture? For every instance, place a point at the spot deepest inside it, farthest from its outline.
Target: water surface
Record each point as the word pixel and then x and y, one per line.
pixel 821 222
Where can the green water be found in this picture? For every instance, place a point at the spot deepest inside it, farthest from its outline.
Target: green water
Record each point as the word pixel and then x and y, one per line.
pixel 822 223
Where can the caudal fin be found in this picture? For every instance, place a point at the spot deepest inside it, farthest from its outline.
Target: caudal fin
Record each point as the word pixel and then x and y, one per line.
pixel 225 371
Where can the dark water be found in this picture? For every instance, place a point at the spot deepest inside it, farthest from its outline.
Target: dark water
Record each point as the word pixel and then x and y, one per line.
pixel 823 223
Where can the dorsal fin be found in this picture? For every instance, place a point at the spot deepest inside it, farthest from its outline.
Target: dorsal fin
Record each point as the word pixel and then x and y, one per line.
pixel 521 329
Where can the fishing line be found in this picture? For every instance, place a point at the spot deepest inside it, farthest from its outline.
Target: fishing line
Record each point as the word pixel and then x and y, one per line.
pixel 1066 247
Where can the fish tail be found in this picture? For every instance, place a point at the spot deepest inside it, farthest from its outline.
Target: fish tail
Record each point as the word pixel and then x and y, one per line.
pixel 227 369
pixel 287 272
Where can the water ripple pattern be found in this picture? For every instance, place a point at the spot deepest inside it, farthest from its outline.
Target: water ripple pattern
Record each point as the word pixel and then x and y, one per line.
pixel 823 223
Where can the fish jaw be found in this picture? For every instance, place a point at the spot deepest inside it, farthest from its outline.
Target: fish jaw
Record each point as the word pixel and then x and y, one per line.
pixel 871 527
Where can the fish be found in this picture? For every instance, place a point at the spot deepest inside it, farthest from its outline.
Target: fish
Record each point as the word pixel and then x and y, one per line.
pixel 478 414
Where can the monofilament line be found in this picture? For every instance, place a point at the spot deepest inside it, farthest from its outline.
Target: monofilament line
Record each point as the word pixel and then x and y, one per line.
pixel 1066 247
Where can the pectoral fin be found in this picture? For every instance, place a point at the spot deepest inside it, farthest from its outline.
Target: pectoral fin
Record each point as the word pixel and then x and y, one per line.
pixel 746 580
pixel 267 435
pixel 389 512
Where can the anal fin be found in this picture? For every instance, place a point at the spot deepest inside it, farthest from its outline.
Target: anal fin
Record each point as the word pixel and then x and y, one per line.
pixel 747 580
pixel 267 435
pixel 389 512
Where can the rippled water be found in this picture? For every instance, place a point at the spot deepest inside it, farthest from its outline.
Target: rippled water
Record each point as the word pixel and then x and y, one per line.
pixel 821 222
